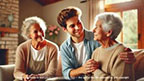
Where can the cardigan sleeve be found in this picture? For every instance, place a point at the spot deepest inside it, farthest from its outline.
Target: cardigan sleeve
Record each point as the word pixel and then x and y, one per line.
pixel 20 63
pixel 120 70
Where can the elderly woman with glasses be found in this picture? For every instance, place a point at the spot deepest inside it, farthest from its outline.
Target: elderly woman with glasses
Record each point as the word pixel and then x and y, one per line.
pixel 36 58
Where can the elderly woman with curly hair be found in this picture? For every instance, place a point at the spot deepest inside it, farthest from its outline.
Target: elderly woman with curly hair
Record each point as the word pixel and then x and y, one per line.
pixel 36 58
pixel 111 67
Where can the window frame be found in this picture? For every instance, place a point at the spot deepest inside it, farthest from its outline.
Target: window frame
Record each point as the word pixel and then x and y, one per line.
pixel 137 4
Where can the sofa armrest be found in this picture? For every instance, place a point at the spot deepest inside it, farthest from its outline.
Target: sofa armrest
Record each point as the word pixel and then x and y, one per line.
pixel 6 72
pixel 141 79
pixel 139 63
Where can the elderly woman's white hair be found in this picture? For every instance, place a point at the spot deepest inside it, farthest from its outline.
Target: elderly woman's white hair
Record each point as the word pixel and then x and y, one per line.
pixel 110 21
pixel 28 22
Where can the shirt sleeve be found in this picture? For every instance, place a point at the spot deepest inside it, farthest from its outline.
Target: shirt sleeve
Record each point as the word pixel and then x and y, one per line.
pixel 66 62
pixel 19 69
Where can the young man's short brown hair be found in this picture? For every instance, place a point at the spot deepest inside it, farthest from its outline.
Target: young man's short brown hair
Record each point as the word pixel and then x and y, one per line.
pixel 66 14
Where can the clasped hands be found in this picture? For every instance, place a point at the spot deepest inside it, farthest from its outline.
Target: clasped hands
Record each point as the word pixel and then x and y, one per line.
pixel 32 77
pixel 90 66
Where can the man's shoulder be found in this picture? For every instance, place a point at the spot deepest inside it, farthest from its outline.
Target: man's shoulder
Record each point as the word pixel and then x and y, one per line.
pixel 65 44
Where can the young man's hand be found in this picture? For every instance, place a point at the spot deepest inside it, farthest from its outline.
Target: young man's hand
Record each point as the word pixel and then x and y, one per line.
pixel 127 56
pixel 90 66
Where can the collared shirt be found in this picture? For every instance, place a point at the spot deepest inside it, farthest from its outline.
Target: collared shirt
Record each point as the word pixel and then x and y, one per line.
pixel 67 50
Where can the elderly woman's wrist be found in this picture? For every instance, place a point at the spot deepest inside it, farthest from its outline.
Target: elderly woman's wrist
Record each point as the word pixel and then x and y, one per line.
pixel 37 76
pixel 25 77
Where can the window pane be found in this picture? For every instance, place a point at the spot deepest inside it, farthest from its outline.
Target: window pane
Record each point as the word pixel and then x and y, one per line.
pixel 116 1
pixel 130 29
pixel 129 34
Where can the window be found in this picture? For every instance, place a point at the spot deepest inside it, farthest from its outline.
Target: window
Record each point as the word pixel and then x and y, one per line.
pixel 129 34
pixel 131 12
pixel 115 1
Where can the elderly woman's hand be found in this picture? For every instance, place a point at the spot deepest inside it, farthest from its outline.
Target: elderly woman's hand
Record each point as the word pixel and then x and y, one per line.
pixel 31 77
pixel 25 77
pixel 127 56
pixel 34 77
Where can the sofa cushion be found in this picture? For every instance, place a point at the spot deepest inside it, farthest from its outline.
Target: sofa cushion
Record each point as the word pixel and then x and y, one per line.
pixel 6 72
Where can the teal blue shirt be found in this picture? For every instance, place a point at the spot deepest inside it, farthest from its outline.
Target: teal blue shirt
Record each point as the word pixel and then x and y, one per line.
pixel 67 50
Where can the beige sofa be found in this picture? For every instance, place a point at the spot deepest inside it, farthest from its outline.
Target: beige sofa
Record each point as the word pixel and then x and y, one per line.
pixel 139 64
pixel 6 71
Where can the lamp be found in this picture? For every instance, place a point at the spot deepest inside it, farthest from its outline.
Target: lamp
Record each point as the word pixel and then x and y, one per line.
pixel 10 19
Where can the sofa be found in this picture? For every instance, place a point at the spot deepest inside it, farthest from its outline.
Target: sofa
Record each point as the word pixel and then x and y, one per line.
pixel 139 64
pixel 6 71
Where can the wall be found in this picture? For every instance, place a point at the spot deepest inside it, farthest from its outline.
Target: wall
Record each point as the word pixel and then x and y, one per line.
pixel 10 40
pixel 25 8
pixel 28 8
pixel 51 11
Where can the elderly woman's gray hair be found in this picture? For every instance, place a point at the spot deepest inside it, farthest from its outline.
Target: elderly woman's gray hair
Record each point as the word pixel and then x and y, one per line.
pixel 28 22
pixel 110 21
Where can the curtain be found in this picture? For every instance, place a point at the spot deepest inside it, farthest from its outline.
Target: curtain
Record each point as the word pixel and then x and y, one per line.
pixel 95 7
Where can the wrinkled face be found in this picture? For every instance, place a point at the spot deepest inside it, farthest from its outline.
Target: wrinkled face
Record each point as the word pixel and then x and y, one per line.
pixel 36 33
pixel 99 34
pixel 74 27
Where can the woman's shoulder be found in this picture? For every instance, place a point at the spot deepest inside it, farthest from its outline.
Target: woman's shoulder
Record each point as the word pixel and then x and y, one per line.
pixel 118 49
pixel 51 44
pixel 23 48
pixel 25 44
pixel 121 47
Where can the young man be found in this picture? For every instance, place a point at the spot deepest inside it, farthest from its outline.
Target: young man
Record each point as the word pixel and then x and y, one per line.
pixel 77 49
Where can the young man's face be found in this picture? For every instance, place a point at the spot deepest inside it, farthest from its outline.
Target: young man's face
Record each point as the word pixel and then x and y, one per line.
pixel 74 27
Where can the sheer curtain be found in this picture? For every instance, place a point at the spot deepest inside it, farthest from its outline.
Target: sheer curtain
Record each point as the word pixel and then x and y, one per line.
pixel 95 7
